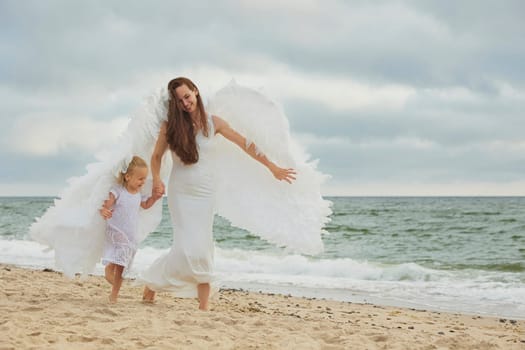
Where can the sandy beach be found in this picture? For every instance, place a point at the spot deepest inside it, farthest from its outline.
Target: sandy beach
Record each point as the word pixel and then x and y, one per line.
pixel 41 309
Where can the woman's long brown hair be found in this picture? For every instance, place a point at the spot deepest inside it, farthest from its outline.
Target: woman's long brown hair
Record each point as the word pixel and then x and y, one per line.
pixel 180 132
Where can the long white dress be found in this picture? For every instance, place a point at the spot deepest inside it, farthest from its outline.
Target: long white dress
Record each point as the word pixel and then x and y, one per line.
pixel 191 202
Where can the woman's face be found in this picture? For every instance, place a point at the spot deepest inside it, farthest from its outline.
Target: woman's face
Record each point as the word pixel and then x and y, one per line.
pixel 186 98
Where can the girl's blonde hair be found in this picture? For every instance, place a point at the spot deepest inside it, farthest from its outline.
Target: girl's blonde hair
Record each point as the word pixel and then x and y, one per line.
pixel 136 162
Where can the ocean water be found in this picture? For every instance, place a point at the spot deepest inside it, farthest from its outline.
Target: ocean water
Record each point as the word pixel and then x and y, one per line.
pixel 439 253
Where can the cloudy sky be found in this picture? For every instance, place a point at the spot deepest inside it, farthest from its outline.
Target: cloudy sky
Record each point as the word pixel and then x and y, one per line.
pixel 393 97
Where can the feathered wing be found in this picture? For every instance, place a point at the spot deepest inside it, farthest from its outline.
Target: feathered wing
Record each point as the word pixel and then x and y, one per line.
pixel 73 226
pixel 248 195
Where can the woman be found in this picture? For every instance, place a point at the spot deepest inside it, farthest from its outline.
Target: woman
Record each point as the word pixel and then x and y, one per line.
pixel 187 269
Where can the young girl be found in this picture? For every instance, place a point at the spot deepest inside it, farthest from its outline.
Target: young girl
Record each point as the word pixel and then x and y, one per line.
pixel 121 211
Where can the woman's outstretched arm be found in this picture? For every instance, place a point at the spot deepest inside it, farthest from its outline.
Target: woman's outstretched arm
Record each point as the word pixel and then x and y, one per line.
pixel 223 128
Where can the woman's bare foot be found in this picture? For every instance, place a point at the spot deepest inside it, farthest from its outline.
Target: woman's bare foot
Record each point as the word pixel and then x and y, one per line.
pixel 203 291
pixel 148 296
pixel 112 299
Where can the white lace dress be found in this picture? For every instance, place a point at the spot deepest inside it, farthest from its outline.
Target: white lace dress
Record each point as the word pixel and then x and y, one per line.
pixel 191 201
pixel 121 230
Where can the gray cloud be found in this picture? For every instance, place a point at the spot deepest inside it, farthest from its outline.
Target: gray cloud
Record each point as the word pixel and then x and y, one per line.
pixel 50 170
pixel 463 61
pixel 398 162
pixel 410 43
pixel 452 124
pixel 420 46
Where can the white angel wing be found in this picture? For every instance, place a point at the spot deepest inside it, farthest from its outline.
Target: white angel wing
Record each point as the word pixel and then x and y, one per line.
pixel 73 226
pixel 287 215
pixel 248 195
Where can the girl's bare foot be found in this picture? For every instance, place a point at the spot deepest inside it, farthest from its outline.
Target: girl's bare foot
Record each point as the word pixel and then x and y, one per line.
pixel 112 299
pixel 204 306
pixel 148 296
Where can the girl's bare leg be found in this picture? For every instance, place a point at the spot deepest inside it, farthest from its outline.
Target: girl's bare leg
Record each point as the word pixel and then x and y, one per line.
pixel 117 282
pixel 109 272
pixel 203 291
pixel 148 295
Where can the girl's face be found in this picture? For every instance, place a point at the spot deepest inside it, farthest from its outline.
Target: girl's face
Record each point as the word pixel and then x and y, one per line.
pixel 186 98
pixel 136 179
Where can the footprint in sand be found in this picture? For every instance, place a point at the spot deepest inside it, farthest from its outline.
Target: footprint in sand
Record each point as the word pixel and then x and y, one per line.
pixel 108 341
pixel 33 308
pixel 379 338
pixel 226 320
pixel 107 311
pixel 80 339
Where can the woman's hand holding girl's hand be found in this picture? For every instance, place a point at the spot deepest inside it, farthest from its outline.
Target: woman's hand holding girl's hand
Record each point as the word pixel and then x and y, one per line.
pixel 156 195
pixel 158 189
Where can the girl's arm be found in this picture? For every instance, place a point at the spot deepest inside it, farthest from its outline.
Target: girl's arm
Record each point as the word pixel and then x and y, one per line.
pixel 148 203
pixel 223 128
pixel 156 159
pixel 106 211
